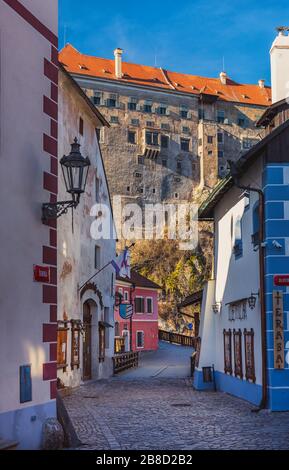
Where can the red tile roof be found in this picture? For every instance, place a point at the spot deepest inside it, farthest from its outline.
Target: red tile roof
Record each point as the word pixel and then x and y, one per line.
pixel 143 75
pixel 139 280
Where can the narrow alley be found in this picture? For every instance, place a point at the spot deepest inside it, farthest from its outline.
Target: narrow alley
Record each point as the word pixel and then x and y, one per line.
pixel 155 407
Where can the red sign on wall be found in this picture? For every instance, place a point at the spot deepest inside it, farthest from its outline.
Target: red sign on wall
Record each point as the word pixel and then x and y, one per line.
pixel 41 273
pixel 281 280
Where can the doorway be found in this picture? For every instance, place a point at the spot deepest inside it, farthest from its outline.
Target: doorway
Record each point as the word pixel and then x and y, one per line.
pixel 87 342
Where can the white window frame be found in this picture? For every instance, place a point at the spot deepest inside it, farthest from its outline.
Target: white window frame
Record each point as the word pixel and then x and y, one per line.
pixel 152 301
pixel 143 337
pixel 125 296
pixel 140 297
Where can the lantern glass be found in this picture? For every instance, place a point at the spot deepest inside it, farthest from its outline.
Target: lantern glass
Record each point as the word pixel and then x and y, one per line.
pixel 252 302
pixel 75 170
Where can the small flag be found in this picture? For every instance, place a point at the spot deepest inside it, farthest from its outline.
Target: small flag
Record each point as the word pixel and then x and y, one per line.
pixel 122 264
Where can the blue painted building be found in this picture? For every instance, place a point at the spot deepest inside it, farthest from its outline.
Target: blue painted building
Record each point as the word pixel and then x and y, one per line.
pixel 244 331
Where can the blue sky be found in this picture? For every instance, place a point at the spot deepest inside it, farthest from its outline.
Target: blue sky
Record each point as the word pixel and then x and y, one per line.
pixel 190 36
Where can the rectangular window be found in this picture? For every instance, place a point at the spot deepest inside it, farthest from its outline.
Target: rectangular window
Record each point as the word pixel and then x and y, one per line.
pixel 126 296
pixel 164 163
pixel 131 137
pixel 132 104
pixel 164 141
pixel 97 98
pixel 210 139
pixel 149 305
pixel 162 110
pixel 152 138
pixel 220 154
pixel 97 258
pixel 150 124
pixel 138 175
pixel 228 352
pixel 98 134
pixel 114 119
pixel 184 112
pixel 135 122
pixel 140 160
pixel 179 167
pixel 249 355
pixel 111 101
pixel 221 117
pixel 81 126
pixel 186 130
pixel 140 339
pixel 139 305
pixel 238 363
pixel 147 107
pixel 165 126
pixel 185 145
pixel 220 137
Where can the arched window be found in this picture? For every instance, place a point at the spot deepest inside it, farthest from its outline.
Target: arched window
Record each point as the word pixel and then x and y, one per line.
pixel 116 329
pixel 256 224
pixel 238 246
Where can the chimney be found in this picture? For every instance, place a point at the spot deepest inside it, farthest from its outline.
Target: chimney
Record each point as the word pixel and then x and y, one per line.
pixel 280 65
pixel 118 62
pixel 261 83
pixel 223 78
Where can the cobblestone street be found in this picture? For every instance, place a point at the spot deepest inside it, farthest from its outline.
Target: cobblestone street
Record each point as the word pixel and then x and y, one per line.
pixel 130 412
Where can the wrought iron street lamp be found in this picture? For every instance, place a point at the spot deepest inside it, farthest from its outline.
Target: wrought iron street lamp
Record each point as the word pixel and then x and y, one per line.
pixel 217 307
pixel 75 171
pixel 252 300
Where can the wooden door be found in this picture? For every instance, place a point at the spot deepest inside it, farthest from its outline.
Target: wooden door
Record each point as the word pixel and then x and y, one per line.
pixel 86 342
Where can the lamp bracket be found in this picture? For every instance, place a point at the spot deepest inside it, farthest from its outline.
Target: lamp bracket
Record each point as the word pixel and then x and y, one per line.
pixel 55 210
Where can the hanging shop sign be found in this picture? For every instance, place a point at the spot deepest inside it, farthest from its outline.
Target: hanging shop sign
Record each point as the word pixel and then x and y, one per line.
pixel 281 280
pixel 278 327
pixel 125 311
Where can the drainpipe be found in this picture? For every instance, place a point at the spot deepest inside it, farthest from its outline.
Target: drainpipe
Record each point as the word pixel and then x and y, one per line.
pixel 261 245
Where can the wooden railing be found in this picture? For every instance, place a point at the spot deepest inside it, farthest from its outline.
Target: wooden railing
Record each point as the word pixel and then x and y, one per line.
pixel 125 361
pixel 119 345
pixel 177 338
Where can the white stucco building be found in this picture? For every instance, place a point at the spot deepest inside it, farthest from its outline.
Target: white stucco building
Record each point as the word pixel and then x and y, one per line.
pixel 85 315
pixel 244 331
pixel 28 83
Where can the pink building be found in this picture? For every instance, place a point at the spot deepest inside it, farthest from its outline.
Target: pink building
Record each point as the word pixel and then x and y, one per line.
pixel 143 295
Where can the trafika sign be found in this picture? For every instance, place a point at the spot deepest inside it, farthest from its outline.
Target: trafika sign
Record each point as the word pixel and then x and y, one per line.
pixel 281 280
pixel 41 273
